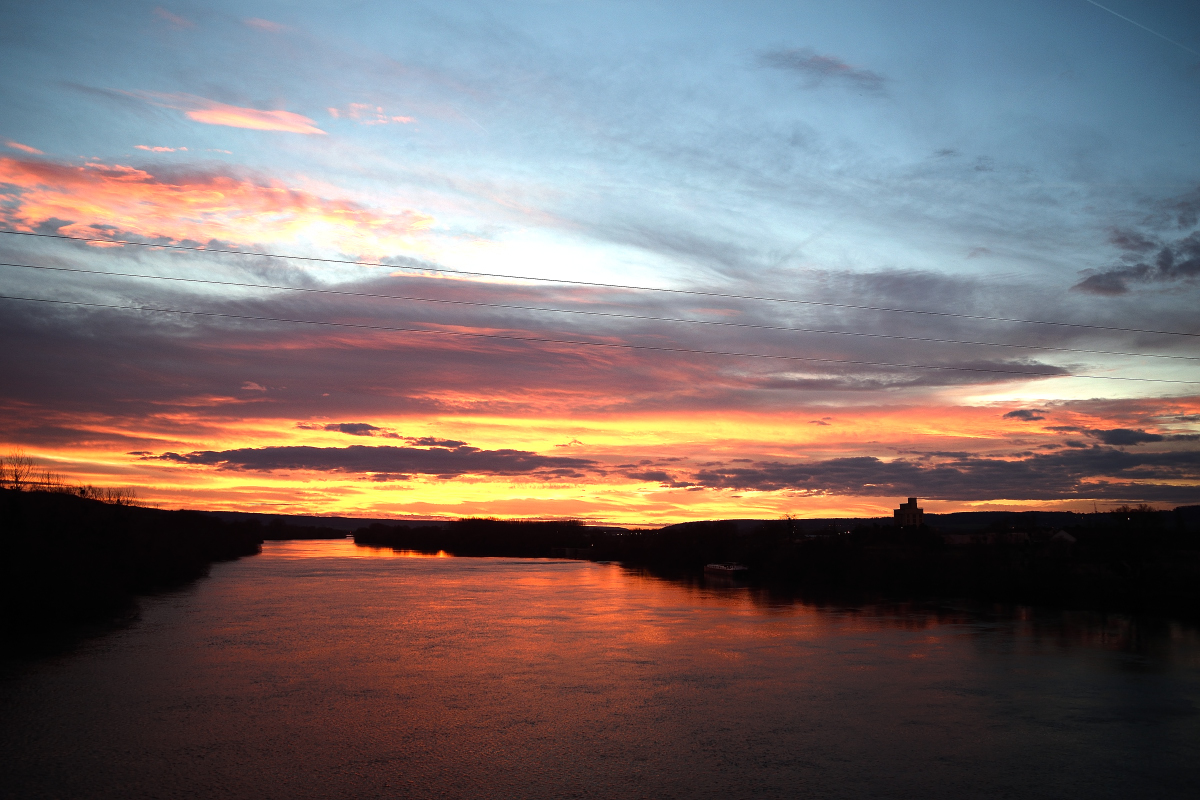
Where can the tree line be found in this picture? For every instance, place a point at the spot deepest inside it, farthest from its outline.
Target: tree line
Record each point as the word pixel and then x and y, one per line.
pixel 1133 558
pixel 19 472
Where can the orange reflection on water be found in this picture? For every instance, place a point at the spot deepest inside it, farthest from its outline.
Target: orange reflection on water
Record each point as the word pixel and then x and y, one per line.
pixel 354 669
pixel 609 616
pixel 339 548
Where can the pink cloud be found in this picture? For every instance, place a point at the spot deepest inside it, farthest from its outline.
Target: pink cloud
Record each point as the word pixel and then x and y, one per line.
pixel 174 19
pixel 158 149
pixel 23 147
pixel 210 112
pixel 265 25
pixel 367 114
pixel 235 117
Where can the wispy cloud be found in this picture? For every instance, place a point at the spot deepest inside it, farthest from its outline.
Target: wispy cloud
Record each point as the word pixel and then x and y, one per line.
pixel 24 148
pixel 211 112
pixel 153 149
pixel 174 19
pixel 367 114
pixel 119 201
pixel 1178 260
pixel 265 25
pixel 818 69
pixel 1153 251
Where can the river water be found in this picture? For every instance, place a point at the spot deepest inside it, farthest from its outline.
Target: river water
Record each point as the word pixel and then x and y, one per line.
pixel 325 670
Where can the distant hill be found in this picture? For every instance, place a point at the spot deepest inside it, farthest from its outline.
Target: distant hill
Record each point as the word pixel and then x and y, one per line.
pixel 957 522
pixel 346 525
pixel 961 521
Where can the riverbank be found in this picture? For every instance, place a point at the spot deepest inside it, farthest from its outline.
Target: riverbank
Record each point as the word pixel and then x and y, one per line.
pixel 1136 561
pixel 70 561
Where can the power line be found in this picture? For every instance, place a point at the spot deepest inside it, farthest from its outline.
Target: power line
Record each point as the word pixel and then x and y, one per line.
pixel 595 284
pixel 610 345
pixel 642 317
pixel 1143 27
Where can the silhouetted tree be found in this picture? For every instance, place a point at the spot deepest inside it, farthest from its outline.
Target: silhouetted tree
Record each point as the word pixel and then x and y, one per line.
pixel 16 469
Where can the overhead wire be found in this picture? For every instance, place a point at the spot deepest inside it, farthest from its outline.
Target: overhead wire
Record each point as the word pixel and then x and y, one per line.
pixel 607 314
pixel 1143 27
pixel 579 342
pixel 594 284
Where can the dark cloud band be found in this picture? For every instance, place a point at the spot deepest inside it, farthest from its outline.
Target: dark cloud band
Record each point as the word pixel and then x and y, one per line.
pixel 388 460
pixel 1091 472
pixel 818 69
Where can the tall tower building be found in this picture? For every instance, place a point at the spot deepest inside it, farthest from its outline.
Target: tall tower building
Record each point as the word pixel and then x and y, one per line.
pixel 908 515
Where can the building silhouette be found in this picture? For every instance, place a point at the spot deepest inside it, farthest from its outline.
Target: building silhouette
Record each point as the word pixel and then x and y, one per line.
pixel 908 515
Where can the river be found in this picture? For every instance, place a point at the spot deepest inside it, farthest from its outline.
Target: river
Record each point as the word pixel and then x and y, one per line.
pixel 325 670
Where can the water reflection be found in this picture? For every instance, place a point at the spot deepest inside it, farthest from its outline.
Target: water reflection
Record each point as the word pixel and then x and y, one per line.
pixel 1150 638
pixel 321 669
pixel 340 548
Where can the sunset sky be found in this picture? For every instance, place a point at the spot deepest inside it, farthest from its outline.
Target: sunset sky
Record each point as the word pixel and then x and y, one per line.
pixel 474 188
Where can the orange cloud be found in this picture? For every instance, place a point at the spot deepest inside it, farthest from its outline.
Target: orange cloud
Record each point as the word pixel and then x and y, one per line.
pixel 22 147
pixel 121 201
pixel 633 453
pixel 210 112
pixel 158 149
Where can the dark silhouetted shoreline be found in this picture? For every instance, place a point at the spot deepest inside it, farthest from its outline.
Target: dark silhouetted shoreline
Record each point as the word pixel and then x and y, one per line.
pixel 71 560
pixel 1137 560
